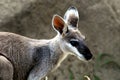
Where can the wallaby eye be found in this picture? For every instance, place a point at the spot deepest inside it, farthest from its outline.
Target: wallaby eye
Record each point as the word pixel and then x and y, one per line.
pixel 74 42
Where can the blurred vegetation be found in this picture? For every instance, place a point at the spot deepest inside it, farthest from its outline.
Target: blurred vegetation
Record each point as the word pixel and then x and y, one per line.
pixel 102 60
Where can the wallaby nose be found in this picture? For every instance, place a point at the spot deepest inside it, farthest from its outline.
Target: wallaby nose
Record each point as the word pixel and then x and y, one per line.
pixel 88 56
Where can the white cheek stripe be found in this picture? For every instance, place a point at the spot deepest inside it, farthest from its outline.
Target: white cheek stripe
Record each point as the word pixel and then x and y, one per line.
pixel 74 40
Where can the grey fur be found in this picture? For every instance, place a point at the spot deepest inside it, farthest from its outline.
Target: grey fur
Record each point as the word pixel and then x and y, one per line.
pixel 23 58
pixel 27 56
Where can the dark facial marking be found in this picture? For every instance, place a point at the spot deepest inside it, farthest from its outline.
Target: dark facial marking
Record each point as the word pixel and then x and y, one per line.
pixel 74 43
pixel 83 49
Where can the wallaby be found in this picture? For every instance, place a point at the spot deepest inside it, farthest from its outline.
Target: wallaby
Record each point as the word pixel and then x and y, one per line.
pixel 23 58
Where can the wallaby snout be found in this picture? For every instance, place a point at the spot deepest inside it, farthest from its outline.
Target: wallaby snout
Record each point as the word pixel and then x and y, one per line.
pixel 84 50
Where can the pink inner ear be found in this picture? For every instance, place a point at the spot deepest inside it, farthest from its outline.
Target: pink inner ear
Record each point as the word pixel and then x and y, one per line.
pixel 58 24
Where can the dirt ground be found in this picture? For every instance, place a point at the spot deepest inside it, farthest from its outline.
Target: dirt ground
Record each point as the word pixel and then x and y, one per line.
pixel 99 22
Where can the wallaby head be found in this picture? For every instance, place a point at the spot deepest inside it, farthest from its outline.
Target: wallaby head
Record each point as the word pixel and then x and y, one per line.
pixel 70 38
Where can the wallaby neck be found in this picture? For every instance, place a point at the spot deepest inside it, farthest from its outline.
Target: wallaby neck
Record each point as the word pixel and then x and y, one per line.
pixel 57 54
pixel 52 49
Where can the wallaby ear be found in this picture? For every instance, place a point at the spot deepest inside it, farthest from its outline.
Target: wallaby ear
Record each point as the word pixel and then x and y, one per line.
pixel 72 17
pixel 58 23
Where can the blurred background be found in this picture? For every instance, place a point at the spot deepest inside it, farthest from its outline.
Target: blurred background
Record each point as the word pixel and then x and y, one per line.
pixel 99 22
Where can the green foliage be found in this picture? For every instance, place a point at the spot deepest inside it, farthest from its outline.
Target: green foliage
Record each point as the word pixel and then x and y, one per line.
pixel 71 76
pixel 102 60
pixel 95 77
pixel 107 60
